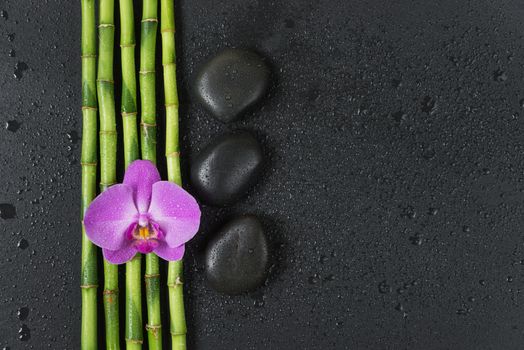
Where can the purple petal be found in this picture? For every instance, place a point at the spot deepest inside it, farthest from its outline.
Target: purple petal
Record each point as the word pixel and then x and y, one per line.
pixel 120 256
pixel 141 175
pixel 170 254
pixel 109 217
pixel 175 211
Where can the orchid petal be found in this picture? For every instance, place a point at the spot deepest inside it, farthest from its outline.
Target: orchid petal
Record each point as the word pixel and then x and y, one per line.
pixel 175 211
pixel 141 175
pixel 120 256
pixel 109 217
pixel 170 254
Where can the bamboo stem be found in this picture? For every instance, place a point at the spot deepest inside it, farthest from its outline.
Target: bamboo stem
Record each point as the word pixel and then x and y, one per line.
pixel 134 337
pixel 148 34
pixel 133 300
pixel 89 276
pixel 175 269
pixel 108 140
pixel 128 107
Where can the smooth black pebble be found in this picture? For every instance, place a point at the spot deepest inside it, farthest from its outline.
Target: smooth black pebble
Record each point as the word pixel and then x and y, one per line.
pixel 237 257
pixel 232 82
pixel 7 211
pixel 226 168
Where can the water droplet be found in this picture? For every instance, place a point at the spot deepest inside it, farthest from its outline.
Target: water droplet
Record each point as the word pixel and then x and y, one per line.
pixel 482 282
pixel 399 116
pixel 416 239
pixel 409 212
pixel 429 153
pixel 384 287
pixel 20 68
pixel 396 83
pixel 12 53
pixel 12 125
pixel 500 75
pixel 7 211
pixel 22 313
pixel 521 103
pixel 509 279
pixel 432 211
pixel 73 136
pixel 23 244
pixel 313 279
pixel 4 14
pixel 462 312
pixel 11 37
pixel 24 333
pixel 429 105
pixel 466 229
pixel 399 307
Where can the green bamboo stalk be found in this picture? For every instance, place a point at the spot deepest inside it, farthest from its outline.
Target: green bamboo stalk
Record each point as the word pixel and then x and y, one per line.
pixel 128 108
pixel 175 269
pixel 148 140
pixel 108 140
pixel 134 304
pixel 89 276
pixel 133 301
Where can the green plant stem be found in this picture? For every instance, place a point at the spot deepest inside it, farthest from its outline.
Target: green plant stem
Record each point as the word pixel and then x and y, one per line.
pixel 89 277
pixel 148 34
pixel 134 304
pixel 128 108
pixel 175 269
pixel 108 140
pixel 133 300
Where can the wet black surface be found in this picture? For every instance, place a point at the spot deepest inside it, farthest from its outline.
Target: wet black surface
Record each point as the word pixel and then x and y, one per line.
pixel 387 121
pixel 237 258
pixel 226 168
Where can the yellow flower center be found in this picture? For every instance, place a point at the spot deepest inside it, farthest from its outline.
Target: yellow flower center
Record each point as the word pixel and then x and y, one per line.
pixel 143 232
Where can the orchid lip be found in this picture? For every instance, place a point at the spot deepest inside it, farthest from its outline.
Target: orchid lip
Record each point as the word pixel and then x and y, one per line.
pixel 145 235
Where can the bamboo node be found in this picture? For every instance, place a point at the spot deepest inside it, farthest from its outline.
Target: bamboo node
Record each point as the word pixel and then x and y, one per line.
pixel 168 30
pixel 89 108
pixel 151 275
pixel 107 132
pixel 144 72
pixel 167 105
pixel 178 283
pixel 106 25
pixel 88 286
pixel 128 45
pixel 107 184
pixel 88 163
pixel 129 114
pixel 173 155
pixel 154 329
pixel 88 56
pixel 110 291
pixel 150 20
pixel 148 125
pixel 135 341
pixel 177 333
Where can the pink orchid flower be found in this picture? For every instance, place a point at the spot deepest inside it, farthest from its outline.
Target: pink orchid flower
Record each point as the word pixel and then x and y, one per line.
pixel 143 214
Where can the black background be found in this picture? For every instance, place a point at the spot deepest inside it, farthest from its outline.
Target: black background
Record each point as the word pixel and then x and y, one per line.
pixel 393 190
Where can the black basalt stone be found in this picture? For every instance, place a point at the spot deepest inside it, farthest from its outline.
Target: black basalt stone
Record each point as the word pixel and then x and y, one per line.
pixel 232 82
pixel 226 168
pixel 237 257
